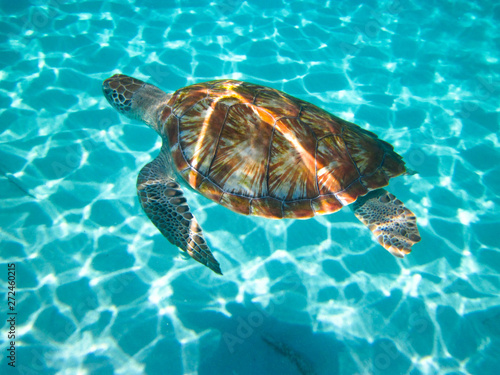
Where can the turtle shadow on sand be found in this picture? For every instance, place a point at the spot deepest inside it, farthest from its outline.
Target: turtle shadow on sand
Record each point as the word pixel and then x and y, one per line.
pixel 253 342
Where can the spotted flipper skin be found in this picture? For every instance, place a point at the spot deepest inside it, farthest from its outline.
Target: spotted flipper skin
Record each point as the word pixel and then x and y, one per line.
pixel 163 201
pixel 394 225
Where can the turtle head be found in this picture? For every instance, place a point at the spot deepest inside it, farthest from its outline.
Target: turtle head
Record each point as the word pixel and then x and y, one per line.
pixel 134 98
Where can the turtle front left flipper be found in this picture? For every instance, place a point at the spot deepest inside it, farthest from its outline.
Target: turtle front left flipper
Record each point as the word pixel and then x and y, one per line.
pixel 163 201
pixel 394 225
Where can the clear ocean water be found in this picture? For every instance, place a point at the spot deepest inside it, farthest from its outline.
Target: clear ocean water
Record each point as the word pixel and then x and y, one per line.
pixel 100 291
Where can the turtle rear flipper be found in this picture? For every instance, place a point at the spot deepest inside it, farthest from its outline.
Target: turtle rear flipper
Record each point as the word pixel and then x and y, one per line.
pixel 394 225
pixel 163 201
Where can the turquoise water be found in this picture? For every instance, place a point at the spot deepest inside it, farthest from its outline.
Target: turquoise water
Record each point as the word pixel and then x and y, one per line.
pixel 100 291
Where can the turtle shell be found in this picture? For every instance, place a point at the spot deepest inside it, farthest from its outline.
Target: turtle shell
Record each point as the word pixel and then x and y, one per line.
pixel 259 151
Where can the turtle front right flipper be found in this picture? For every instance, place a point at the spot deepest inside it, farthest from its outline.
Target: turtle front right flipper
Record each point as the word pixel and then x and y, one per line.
pixel 163 201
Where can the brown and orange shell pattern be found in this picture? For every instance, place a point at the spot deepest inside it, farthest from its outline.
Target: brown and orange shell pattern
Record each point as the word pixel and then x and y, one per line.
pixel 259 151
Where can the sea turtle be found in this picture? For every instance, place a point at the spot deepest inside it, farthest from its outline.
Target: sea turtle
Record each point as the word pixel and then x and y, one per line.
pixel 259 151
